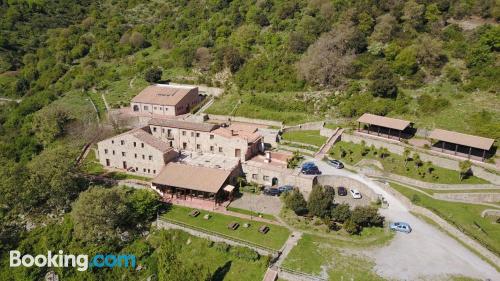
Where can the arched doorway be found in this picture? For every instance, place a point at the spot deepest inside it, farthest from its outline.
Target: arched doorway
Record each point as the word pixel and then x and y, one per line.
pixel 274 181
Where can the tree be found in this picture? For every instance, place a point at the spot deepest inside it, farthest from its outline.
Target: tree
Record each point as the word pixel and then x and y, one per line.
pixel 351 227
pixel 367 216
pixel 295 201
pixel 293 162
pixel 416 159
pixel 464 167
pixel 318 204
pixel 384 29
pixel 329 61
pixel 340 213
pixel 406 155
pixel 383 83
pixel 98 213
pixel 49 123
pixel 153 75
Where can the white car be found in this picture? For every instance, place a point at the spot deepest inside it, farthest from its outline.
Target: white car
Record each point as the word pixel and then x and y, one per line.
pixel 355 193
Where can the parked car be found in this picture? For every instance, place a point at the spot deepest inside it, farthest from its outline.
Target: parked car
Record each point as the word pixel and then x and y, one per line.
pixel 355 193
pixel 342 191
pixel 400 226
pixel 335 163
pixel 309 165
pixel 285 188
pixel 311 171
pixel 271 191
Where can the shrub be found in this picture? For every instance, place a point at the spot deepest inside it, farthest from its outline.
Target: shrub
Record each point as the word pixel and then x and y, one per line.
pixel 367 216
pixel 340 213
pixel 351 227
pixel 295 201
pixel 153 75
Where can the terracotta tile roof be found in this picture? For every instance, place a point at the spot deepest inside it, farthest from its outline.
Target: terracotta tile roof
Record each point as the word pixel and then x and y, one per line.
pixel 382 121
pixel 163 94
pixel 192 177
pixel 250 137
pixel 462 139
pixel 146 137
pixel 182 124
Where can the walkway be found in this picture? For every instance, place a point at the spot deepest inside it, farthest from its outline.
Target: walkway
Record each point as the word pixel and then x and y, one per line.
pixel 329 143
pixel 205 106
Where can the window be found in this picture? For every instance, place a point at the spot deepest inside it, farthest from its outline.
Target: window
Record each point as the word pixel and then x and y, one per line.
pixel 122 142
pixel 266 178
pixel 143 157
pixel 211 137
pixel 150 157
pixel 123 153
pixel 163 130
pixel 211 148
pixel 105 151
pixel 155 108
pixel 254 176
pixel 144 170
pixel 166 108
pixel 169 132
pixel 220 149
pixel 146 107
pixel 154 129
pixel 135 155
pixel 154 171
pixel 112 142
pixel 149 171
pixel 192 134
pixel 142 144
pixel 183 133
pixel 198 146
pixel 135 144
pixel 197 135
pixel 113 152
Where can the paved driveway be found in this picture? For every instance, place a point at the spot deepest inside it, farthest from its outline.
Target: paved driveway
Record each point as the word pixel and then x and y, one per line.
pixel 258 203
pixel 425 252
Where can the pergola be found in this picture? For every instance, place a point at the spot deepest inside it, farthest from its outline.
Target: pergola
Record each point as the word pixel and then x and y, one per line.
pixel 461 143
pixel 383 125
pixel 186 181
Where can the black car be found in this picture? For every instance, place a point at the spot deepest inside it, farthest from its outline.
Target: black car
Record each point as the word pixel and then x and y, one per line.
pixel 271 191
pixel 342 191
pixel 311 171
pixel 285 188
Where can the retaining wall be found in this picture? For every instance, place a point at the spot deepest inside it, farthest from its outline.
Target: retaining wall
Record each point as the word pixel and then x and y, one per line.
pixel 306 126
pixel 470 197
pixel 227 118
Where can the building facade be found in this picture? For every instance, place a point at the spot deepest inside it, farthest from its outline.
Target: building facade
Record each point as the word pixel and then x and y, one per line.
pixel 135 151
pixel 206 138
pixel 165 100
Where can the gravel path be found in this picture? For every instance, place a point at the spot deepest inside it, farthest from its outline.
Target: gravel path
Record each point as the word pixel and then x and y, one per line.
pixel 426 252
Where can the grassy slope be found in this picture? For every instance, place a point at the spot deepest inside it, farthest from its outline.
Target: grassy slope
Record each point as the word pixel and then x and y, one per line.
pixel 287 107
pixel 395 164
pixel 308 136
pixel 274 239
pixel 313 252
pixel 465 216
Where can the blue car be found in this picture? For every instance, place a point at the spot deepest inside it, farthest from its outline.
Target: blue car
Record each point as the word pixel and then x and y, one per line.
pixel 309 165
pixel 285 188
pixel 400 226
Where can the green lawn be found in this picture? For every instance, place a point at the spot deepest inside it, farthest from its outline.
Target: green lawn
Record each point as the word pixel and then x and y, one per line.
pixel 218 223
pixel 466 217
pixel 395 163
pixel 312 252
pixel 288 107
pixel 308 136
pixel 251 213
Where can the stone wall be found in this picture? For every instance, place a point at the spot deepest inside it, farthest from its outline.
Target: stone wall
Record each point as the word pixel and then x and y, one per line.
pixel 469 197
pixel 226 118
pixel 326 132
pixel 306 126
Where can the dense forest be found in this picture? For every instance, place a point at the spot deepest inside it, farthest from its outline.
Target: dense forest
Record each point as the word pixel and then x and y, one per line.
pixel 55 55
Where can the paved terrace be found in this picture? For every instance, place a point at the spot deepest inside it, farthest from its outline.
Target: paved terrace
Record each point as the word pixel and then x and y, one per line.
pixel 207 160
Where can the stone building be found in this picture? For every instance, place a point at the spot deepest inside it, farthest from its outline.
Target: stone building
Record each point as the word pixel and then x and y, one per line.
pixel 165 100
pixel 233 141
pixel 135 151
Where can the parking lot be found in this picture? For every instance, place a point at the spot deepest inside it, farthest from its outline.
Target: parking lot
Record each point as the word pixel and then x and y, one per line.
pixel 367 195
pixel 258 203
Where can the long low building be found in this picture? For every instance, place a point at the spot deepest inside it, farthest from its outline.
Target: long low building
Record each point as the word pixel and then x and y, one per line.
pixel 385 126
pixel 461 144
pixel 184 182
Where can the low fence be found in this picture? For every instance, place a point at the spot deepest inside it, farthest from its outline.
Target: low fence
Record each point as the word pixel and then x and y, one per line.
pixel 249 244
pixel 306 126
pixel 283 271
pixel 227 118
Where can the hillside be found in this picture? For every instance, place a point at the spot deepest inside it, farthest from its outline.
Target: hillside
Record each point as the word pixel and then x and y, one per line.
pixel 434 62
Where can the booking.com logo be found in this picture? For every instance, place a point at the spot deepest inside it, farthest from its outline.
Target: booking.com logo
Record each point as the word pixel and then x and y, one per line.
pixel 81 262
